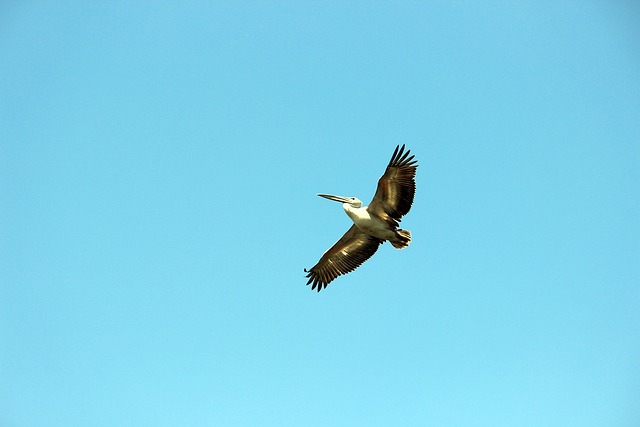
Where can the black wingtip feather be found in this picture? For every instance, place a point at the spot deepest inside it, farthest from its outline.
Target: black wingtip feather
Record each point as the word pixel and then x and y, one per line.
pixel 401 158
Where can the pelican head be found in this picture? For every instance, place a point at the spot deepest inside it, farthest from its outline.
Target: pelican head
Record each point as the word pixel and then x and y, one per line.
pixel 354 202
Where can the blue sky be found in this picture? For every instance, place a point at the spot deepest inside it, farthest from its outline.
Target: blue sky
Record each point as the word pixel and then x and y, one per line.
pixel 158 170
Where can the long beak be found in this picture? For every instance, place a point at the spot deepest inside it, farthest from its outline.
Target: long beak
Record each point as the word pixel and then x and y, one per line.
pixel 335 198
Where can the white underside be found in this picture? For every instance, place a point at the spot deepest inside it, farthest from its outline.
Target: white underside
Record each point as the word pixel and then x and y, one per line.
pixel 371 225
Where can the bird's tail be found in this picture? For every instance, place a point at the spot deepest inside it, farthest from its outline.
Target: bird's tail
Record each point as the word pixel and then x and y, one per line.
pixel 403 237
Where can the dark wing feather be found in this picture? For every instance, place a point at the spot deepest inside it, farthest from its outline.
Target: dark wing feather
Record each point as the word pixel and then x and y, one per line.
pixel 396 187
pixel 347 254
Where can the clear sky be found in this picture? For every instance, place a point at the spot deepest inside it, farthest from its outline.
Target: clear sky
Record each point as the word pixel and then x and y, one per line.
pixel 158 170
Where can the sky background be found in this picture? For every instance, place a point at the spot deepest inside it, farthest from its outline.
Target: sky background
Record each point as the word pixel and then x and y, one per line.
pixel 158 170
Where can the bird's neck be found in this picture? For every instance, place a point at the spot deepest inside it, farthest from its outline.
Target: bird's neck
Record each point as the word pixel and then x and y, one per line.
pixel 354 213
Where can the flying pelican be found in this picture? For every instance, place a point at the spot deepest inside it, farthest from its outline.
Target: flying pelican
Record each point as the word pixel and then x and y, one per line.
pixel 373 224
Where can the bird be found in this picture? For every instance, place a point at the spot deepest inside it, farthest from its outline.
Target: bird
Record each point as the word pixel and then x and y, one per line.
pixel 373 224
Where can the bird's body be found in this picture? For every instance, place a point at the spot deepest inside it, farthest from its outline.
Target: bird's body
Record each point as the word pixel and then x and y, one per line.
pixel 372 224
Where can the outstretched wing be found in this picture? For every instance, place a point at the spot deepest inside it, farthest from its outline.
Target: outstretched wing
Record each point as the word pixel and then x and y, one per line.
pixel 354 248
pixel 396 187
